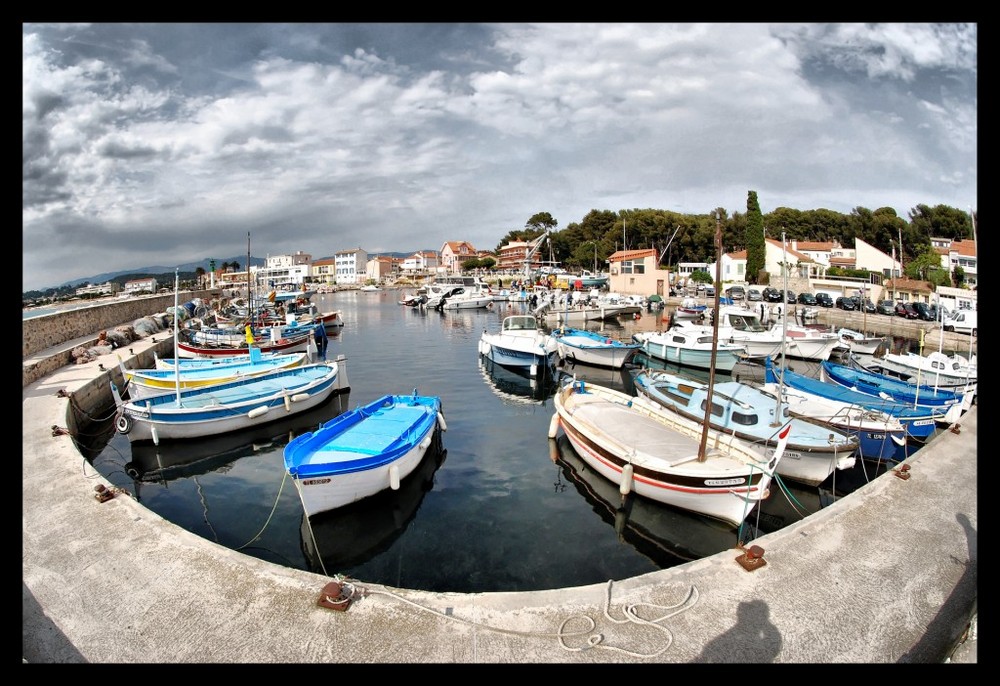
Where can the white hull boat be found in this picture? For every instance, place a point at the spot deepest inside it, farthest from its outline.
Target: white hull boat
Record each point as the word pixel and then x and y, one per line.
pixel 520 344
pixel 631 442
pixel 363 451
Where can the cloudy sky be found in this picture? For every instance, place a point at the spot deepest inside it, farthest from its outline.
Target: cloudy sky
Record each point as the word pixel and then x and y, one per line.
pixel 162 144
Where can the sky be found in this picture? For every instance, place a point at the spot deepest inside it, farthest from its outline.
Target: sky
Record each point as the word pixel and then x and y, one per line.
pixel 167 143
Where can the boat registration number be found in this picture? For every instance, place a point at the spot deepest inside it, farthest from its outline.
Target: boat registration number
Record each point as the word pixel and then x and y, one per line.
pixel 875 437
pixel 316 482
pixel 723 482
pixel 788 454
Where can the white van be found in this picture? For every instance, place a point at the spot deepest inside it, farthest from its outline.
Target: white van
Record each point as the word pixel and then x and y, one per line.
pixel 962 321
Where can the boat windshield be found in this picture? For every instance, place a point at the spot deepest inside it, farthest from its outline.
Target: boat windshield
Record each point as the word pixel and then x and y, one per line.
pixel 741 322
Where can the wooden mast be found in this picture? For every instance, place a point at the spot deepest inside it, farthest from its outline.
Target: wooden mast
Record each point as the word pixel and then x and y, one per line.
pixel 715 341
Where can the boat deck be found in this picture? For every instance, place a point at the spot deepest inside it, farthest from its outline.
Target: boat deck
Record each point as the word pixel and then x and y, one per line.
pixel 242 391
pixel 368 437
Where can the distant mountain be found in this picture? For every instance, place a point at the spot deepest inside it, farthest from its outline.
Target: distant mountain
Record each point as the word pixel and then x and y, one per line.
pixel 189 267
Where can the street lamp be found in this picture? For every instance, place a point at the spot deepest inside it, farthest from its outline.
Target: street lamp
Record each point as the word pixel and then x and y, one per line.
pixel 211 271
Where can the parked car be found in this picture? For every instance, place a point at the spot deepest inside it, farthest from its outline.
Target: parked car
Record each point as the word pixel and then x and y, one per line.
pixel 753 295
pixel 963 321
pixel 845 302
pixel 906 310
pixel 866 305
pixel 736 293
pixel 806 299
pixel 923 311
pixel 790 297
pixel 773 295
pixel 824 300
pixel 886 307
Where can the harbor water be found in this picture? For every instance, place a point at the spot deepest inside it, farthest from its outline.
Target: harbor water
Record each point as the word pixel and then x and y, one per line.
pixel 495 506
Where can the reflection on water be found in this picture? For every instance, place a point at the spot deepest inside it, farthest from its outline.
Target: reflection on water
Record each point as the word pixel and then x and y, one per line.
pixel 509 510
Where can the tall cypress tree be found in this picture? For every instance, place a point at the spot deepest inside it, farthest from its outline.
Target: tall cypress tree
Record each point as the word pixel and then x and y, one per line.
pixel 756 251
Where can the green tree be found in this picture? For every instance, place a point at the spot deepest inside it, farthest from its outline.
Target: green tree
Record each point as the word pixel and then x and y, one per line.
pixel 756 252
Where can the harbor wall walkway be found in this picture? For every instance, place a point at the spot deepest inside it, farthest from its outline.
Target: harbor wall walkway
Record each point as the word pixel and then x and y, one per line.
pixel 887 574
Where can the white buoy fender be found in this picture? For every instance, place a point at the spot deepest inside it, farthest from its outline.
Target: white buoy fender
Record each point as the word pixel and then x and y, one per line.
pixel 394 477
pixel 444 427
pixel 299 397
pixel 154 434
pixel 288 402
pixel 626 486
pixel 258 411
pixel 554 425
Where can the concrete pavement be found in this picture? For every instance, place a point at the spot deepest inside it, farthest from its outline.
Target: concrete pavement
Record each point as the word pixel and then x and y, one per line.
pixel 887 574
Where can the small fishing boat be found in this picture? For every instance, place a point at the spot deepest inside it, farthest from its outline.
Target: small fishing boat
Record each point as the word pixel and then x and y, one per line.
pixel 520 343
pixel 859 343
pixel 813 451
pixel 948 405
pixel 691 347
pixel 590 347
pixel 142 383
pixel 632 442
pixel 230 406
pixel 690 309
pixel 363 451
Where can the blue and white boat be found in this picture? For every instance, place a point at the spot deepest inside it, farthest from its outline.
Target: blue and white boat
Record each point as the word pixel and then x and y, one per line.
pixel 363 451
pixel 520 343
pixel 593 348
pixel 947 404
pixel 919 422
pixel 231 406
pixel 142 383
pixel 813 451
pixel 691 347
pixel 881 436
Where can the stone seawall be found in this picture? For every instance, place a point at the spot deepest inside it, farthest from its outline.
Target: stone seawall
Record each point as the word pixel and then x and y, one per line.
pixel 52 330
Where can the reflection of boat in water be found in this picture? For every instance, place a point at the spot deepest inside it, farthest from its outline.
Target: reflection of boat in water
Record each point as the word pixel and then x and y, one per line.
pixel 668 535
pixel 191 457
pixel 517 385
pixel 354 534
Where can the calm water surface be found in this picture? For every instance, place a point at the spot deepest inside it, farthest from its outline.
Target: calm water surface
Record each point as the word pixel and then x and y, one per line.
pixel 498 507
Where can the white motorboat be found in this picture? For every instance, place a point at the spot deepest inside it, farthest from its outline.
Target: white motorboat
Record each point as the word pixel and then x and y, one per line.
pixel 520 343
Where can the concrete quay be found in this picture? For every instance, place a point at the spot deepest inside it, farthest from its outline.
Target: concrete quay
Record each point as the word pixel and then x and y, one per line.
pixel 887 574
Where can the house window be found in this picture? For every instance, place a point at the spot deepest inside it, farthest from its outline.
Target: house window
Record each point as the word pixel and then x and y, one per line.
pixel 633 267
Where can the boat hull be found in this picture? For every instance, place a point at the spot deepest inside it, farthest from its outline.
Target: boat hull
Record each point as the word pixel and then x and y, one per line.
pixel 627 441
pixel 362 452
pixel 588 347
pixel 684 349
pixel 232 406
pixel 813 452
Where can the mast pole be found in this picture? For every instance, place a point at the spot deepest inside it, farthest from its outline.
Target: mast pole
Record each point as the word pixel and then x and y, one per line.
pixel 715 341
pixel 177 365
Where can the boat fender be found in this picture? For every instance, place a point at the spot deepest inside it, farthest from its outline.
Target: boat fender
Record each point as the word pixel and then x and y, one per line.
pixel 258 411
pixel 626 485
pixel 554 425
pixel 123 423
pixel 288 402
pixel 394 477
pixel 299 397
pixel 441 423
pixel 154 434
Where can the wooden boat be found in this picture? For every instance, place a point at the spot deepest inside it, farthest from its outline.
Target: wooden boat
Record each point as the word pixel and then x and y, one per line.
pixel 859 343
pixel 690 347
pixel 520 343
pixel 589 347
pixel 231 406
pixel 690 309
pixel 142 383
pixel 947 404
pixel 632 442
pixel 300 341
pixel 223 360
pixel 362 451
pixel 880 435
pixel 813 451
pixel 933 369
pixel 918 422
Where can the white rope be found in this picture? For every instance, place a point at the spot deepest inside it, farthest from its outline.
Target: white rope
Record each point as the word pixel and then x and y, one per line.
pixel 630 612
